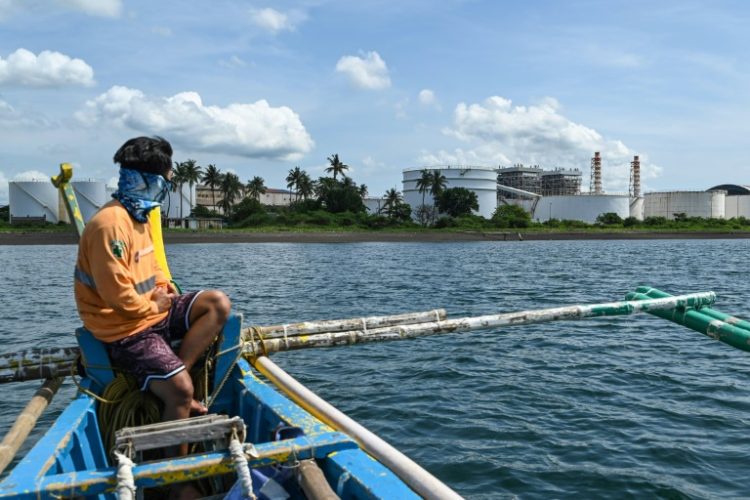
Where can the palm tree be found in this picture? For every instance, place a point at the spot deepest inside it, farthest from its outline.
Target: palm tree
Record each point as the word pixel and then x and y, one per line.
pixel 305 186
pixel 337 167
pixel 424 183
pixel 438 183
pixel 192 175
pixel 231 188
pixel 212 178
pixel 392 201
pixel 363 191
pixel 292 182
pixel 178 180
pixel 256 187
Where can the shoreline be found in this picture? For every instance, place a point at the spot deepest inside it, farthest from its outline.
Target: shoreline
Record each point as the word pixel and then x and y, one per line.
pixel 70 238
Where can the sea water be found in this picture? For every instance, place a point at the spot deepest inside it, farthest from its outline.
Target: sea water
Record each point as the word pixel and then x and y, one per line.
pixel 614 407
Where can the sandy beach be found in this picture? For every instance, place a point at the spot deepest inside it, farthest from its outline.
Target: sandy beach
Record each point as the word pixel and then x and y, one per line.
pixel 69 238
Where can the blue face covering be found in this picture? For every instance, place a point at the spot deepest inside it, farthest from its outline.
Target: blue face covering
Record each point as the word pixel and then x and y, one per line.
pixel 139 192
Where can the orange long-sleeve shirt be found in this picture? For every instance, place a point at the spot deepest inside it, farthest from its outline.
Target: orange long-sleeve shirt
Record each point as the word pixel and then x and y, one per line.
pixel 116 275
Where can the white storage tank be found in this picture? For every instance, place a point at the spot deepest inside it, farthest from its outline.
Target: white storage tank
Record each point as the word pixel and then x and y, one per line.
pixel 177 203
pixel 482 181
pixel 737 206
pixel 636 207
pixel 585 208
pixel 37 199
pixel 373 205
pixel 91 195
pixel 706 204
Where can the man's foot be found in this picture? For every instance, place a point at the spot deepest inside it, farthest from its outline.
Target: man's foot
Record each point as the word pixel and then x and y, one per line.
pixel 197 409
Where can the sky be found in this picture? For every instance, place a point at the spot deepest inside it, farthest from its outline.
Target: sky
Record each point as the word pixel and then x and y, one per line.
pixel 257 88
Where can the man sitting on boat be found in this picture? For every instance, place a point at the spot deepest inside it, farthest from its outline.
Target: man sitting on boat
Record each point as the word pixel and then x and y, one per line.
pixel 125 299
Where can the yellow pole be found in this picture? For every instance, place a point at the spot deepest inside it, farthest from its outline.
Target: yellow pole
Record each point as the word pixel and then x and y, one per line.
pixel 154 222
pixel 26 420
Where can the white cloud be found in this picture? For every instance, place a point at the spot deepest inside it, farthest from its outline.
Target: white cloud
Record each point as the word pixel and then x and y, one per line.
pixel 426 97
pixel 11 117
pixel 275 21
pixel 233 62
pixel 48 69
pixel 254 130
pixel 368 72
pixel 31 175
pixel 162 31
pixel 102 8
pixel 502 134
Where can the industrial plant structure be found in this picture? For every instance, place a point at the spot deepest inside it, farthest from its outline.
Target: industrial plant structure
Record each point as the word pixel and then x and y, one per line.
pixel 556 194
pixel 480 180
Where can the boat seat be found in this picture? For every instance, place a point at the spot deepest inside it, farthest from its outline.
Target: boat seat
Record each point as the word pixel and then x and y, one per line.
pixel 95 360
pixel 217 429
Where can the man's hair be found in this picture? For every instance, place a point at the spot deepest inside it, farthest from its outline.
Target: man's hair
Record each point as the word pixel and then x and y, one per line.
pixel 146 154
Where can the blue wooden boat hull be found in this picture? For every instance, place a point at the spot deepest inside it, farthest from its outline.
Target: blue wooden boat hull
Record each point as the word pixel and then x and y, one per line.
pixel 70 459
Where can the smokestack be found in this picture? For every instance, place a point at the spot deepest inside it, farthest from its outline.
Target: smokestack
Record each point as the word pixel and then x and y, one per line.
pixel 635 177
pixel 595 184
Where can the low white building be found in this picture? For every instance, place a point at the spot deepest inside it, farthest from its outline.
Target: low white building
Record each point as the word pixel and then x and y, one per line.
pixel 584 207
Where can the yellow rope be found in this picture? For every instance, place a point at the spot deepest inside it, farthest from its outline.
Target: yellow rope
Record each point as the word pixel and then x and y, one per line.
pixel 127 406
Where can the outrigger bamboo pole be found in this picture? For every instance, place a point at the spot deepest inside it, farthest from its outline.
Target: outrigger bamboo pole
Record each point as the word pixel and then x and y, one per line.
pixel 34 364
pixel 342 325
pixel 259 346
pixel 696 320
pixel 26 421
pixel 708 311
pixel 418 479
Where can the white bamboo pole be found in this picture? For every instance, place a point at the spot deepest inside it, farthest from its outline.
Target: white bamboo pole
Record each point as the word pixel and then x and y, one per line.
pixel 258 346
pixel 26 421
pixel 342 325
pixel 418 479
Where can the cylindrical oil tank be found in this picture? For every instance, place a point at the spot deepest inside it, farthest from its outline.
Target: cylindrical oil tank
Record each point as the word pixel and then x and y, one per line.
pixel 707 204
pixel 636 207
pixel 91 195
pixel 482 181
pixel 585 208
pixel 35 199
pixel 177 203
pixel 737 206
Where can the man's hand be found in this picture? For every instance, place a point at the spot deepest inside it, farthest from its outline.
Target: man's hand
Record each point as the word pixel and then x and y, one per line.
pixel 163 298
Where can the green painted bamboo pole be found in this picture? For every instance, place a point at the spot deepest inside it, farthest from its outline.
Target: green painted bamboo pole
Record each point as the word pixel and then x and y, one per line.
pixel 256 346
pixel 696 320
pixel 708 311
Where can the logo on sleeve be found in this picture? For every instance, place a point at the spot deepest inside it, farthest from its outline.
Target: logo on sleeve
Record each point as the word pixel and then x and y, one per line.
pixel 118 248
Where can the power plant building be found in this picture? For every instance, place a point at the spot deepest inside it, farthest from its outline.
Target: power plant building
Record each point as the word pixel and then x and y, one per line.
pixel 561 182
pixel 482 181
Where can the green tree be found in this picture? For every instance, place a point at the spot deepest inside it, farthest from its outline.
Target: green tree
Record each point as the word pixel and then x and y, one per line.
pixel 231 189
pixel 609 219
pixel 511 216
pixel 339 196
pixel 424 183
pixel 179 177
pixel 457 202
pixel 437 184
pixel 293 179
pixel 212 178
pixel 192 175
pixel 336 166
pixel 256 187
pixel 305 186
